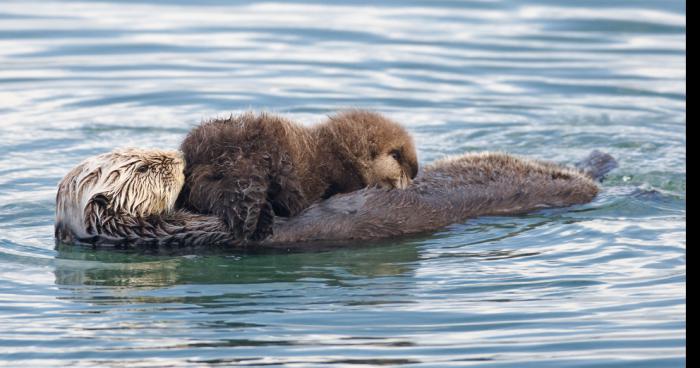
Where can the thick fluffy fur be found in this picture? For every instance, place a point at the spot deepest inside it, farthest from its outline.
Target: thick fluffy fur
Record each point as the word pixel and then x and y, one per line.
pixel 249 168
pixel 448 191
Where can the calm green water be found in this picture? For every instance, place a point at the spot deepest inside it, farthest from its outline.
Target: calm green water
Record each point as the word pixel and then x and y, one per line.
pixel 598 285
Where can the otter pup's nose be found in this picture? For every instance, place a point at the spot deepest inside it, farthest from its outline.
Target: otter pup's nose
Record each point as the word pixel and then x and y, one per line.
pixel 403 182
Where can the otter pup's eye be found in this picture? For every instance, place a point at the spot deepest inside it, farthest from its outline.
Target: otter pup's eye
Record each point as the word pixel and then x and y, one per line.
pixel 396 154
pixel 142 169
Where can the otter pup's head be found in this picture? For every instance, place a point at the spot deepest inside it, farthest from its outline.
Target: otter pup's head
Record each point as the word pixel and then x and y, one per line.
pixel 379 149
pixel 125 182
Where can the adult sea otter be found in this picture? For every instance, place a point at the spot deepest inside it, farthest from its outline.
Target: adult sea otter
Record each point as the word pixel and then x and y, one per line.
pixel 448 191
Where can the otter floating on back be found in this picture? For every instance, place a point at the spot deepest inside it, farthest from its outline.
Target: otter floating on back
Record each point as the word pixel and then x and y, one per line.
pixel 448 191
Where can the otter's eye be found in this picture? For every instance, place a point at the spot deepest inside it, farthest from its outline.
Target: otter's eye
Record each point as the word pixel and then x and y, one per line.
pixel 396 154
pixel 142 169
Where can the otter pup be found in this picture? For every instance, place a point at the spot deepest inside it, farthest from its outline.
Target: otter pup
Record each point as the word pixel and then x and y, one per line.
pixel 249 168
pixel 107 201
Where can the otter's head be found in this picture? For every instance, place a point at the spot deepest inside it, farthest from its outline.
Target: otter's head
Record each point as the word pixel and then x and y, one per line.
pixel 138 182
pixel 125 182
pixel 381 150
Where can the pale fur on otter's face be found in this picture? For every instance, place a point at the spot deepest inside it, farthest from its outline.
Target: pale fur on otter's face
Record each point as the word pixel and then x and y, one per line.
pixel 387 170
pixel 383 149
pixel 122 183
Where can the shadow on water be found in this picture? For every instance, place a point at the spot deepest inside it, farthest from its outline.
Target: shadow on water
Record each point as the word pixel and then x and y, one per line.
pixel 334 262
pixel 81 266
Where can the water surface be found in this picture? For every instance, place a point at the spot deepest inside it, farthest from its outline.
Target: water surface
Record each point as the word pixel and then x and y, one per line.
pixel 597 285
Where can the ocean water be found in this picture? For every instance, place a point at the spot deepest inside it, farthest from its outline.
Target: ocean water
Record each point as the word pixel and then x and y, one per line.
pixel 597 285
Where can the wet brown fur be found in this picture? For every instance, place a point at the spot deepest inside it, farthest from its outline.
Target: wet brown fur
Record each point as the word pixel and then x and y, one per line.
pixel 449 191
pixel 251 167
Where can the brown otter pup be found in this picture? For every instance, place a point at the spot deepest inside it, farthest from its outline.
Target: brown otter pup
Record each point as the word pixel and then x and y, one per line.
pixel 249 168
pixel 99 207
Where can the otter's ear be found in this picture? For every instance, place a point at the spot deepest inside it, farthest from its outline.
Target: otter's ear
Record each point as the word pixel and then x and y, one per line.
pixel 94 212
pixel 101 199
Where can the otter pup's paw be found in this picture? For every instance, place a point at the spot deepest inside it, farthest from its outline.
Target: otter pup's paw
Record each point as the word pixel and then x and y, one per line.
pixel 239 199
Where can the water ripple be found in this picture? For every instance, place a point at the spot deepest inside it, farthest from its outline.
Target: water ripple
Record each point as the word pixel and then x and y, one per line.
pixel 602 284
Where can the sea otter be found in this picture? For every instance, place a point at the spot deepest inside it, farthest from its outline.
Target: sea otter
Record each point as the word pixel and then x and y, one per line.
pixel 448 191
pixel 249 168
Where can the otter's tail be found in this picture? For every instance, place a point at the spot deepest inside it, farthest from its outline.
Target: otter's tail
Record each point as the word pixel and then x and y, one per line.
pixel 597 164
